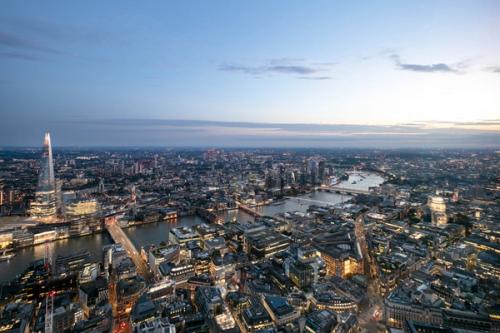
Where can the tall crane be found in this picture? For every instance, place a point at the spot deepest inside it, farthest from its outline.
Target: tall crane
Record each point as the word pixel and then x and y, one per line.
pixel 49 299
pixel 49 311
pixel 47 257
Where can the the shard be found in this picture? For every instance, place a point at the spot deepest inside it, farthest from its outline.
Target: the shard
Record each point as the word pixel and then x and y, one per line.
pixel 44 207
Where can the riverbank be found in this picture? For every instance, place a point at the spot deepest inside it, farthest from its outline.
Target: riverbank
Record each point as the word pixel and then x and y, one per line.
pixel 156 232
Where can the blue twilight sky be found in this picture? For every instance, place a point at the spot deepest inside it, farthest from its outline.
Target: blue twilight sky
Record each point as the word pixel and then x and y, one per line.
pixel 250 73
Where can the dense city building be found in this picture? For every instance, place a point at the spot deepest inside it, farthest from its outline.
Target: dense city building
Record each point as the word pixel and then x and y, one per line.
pixel 249 240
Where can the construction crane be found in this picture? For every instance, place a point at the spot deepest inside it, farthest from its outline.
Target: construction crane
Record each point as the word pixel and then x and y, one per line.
pixel 49 311
pixel 47 257
pixel 49 299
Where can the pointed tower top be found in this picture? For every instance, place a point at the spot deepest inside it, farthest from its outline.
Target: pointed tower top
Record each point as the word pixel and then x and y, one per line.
pixel 46 140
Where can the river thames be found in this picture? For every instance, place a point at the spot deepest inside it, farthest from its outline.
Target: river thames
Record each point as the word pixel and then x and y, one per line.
pixel 154 233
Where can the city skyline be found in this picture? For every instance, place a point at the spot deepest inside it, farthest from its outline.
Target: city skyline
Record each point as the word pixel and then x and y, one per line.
pixel 236 239
pixel 256 166
pixel 385 65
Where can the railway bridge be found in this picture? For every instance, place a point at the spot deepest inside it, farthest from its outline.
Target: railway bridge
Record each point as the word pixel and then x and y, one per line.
pixel 346 190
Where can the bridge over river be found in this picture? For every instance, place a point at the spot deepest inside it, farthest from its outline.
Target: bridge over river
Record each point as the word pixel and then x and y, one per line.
pixel 344 190
pixel 119 236
pixel 255 213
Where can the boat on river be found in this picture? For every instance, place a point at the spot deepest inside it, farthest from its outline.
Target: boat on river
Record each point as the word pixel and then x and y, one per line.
pixel 5 255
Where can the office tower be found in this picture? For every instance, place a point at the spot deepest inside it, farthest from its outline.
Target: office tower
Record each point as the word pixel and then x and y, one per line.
pixel 156 161
pixel 282 179
pixel 44 207
pixel 303 174
pixel 313 169
pixel 321 172
pixel 100 187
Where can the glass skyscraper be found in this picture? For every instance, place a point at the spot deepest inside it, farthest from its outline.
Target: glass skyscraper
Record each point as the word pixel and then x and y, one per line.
pixel 44 207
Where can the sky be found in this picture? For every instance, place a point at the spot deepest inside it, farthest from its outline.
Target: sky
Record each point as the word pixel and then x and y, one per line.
pixel 250 73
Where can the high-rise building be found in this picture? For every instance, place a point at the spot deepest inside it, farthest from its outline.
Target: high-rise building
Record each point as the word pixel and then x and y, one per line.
pixel 100 187
pixel 282 179
pixel 313 171
pixel 321 171
pixel 44 207
pixel 301 274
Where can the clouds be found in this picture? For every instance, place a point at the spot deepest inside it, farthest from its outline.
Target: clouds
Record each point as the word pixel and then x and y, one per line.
pixel 461 67
pixel 20 56
pixel 315 78
pixel 492 69
pixel 418 127
pixel 201 133
pixel 317 71
pixel 15 44
pixel 291 67
pixel 491 125
pixel 288 69
pixel 427 68
pixel 283 69
pixel 25 40
pixel 33 39
pixel 444 68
